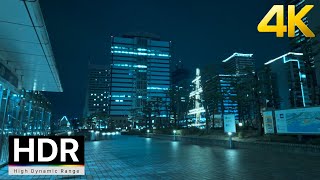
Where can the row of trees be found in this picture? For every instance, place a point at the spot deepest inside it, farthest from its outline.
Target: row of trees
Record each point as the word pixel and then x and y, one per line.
pixel 251 92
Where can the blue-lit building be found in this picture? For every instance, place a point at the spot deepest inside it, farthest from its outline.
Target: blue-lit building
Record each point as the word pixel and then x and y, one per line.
pixel 288 72
pixel 225 101
pixel 140 75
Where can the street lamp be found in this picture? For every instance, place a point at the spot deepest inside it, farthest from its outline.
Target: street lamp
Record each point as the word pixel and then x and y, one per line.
pixel 174 134
pixel 240 124
pixel 148 132
pixel 230 139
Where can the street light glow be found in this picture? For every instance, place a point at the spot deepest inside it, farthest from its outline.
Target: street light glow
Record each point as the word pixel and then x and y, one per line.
pixel 240 124
pixel 229 133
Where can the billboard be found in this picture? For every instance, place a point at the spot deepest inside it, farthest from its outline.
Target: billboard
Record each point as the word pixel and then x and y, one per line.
pixel 229 123
pixel 298 121
pixel 268 122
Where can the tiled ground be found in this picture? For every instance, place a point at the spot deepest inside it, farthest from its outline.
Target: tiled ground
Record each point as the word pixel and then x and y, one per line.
pixel 127 157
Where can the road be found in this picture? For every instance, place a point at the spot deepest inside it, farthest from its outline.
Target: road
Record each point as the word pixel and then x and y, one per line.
pixel 130 157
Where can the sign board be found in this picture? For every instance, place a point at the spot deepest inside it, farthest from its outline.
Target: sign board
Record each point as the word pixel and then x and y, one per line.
pixel 268 122
pixel 229 123
pixel 298 121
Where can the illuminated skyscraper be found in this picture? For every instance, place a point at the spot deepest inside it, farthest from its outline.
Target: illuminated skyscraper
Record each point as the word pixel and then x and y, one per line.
pixel 309 46
pixel 140 75
pixel 290 88
pixel 239 63
pixel 97 93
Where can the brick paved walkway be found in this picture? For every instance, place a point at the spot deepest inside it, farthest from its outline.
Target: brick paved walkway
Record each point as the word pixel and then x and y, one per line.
pixel 128 157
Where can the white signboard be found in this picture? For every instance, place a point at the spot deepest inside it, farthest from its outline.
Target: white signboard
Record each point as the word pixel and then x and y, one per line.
pixel 229 123
pixel 298 121
pixel 268 122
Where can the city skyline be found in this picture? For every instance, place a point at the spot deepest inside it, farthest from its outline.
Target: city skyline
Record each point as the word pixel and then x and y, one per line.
pixel 197 36
pixel 160 89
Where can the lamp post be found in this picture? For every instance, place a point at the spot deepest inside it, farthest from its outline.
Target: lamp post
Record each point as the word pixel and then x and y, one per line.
pixel 174 134
pixel 230 140
pixel 96 134
pixel 148 131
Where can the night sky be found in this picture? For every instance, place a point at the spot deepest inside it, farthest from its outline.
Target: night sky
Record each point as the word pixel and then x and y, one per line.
pixel 203 32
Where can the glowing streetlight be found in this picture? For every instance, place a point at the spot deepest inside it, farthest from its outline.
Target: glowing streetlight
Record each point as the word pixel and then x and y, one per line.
pixel 174 134
pixel 230 140
pixel 240 124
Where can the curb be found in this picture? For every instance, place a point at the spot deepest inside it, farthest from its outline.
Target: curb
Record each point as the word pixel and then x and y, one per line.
pixel 268 146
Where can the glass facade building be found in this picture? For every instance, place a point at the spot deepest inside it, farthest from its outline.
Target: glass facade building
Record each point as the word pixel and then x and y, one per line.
pixel 224 100
pixel 140 75
pixel 27 67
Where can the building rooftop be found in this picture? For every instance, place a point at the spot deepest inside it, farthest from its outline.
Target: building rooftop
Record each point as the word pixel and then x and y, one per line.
pixel 280 57
pixel 237 55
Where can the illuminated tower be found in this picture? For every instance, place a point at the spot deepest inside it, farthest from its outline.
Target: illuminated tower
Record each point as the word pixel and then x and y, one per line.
pixel 308 46
pixel 197 95
pixel 290 81
pixel 139 76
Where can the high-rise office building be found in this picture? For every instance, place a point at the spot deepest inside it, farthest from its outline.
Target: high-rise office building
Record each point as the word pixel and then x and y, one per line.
pixel 97 93
pixel 227 89
pixel 140 77
pixel 180 90
pixel 309 46
pixel 239 63
pixel 238 73
pixel 290 89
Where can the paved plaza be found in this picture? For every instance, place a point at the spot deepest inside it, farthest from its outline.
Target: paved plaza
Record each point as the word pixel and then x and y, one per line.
pixel 129 157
